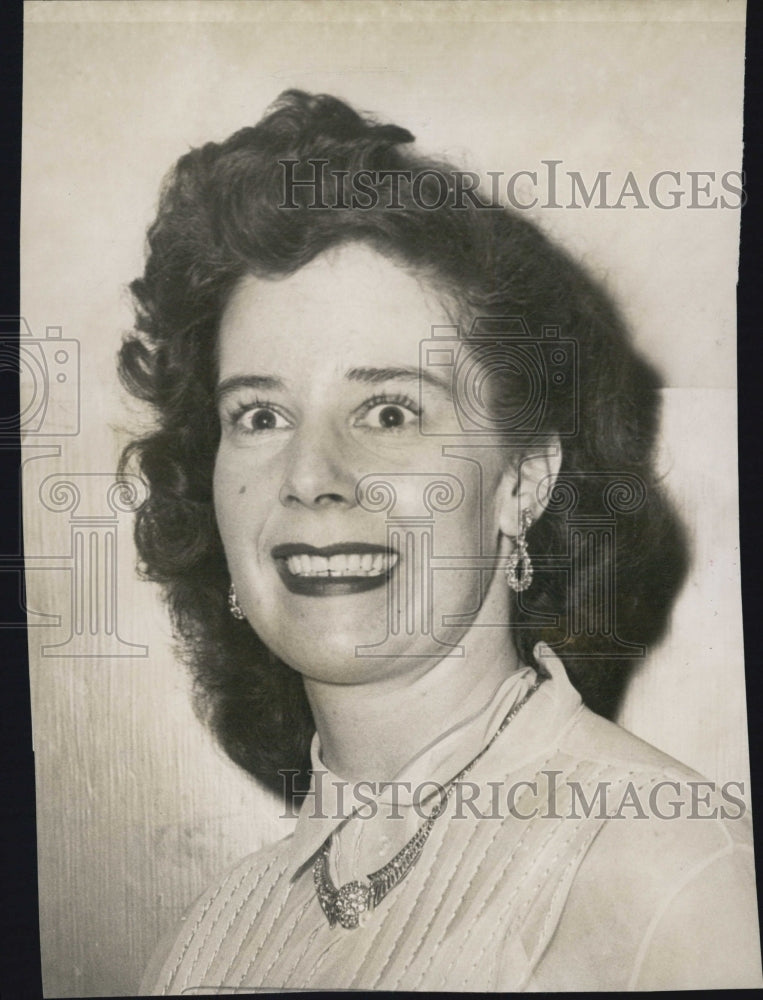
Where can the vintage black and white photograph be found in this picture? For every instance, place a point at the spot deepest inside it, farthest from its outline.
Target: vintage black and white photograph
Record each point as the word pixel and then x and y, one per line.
pixel 380 495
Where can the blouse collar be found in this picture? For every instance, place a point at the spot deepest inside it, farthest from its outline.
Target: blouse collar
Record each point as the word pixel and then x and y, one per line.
pixel 331 802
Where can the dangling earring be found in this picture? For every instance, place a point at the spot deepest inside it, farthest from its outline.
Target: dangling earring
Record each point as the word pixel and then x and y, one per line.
pixel 519 570
pixel 235 608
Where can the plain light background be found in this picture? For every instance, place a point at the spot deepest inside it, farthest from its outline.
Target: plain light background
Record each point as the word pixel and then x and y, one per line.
pixel 137 809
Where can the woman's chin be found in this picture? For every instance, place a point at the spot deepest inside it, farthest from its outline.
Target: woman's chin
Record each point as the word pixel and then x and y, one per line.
pixel 357 656
pixel 330 646
pixel 337 664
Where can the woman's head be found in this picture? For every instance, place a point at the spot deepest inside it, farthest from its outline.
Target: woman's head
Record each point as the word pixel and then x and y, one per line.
pixel 246 312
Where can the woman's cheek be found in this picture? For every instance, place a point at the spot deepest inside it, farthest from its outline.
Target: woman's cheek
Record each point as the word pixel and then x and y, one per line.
pixel 231 494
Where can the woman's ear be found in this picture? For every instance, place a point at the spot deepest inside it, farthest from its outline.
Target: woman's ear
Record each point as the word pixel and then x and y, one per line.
pixel 528 484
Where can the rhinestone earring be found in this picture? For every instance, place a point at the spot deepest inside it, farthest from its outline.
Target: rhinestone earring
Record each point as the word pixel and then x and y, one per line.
pixel 235 607
pixel 519 570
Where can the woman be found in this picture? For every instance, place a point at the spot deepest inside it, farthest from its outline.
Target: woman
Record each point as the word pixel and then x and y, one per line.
pixel 403 462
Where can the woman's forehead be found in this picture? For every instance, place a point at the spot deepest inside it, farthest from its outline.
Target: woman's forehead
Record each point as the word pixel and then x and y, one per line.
pixel 351 303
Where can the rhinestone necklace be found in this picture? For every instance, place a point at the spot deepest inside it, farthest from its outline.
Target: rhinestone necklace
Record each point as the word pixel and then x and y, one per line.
pixel 344 905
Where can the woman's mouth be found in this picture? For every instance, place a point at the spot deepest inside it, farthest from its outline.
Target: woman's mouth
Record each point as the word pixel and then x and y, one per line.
pixel 345 568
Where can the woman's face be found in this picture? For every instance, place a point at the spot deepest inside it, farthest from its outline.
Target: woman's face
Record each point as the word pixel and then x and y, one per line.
pixel 321 395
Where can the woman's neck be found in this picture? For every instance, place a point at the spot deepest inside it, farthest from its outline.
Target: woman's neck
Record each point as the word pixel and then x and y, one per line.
pixel 369 731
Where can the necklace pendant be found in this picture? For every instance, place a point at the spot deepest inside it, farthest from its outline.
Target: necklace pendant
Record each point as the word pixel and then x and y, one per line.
pixel 351 900
pixel 344 906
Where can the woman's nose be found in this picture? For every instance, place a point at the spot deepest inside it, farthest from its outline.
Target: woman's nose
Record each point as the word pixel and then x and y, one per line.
pixel 317 473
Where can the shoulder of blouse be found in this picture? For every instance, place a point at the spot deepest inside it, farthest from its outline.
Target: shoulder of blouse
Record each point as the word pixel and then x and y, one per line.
pixel 665 895
pixel 595 739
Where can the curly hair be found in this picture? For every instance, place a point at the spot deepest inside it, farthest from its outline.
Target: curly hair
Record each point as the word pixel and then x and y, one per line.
pixel 221 216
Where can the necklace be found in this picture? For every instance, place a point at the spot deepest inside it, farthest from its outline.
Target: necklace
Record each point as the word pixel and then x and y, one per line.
pixel 344 905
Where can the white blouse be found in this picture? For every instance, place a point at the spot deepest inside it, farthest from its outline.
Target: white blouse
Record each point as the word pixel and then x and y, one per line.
pixel 572 856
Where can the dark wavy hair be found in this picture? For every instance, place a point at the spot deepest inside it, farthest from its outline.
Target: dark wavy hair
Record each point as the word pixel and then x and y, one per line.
pixel 220 217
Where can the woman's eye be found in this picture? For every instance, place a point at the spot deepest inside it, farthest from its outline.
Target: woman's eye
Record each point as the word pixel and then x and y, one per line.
pixel 388 416
pixel 262 418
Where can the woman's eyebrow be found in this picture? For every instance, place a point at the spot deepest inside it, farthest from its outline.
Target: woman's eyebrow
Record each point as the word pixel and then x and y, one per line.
pixel 373 376
pixel 369 376
pixel 236 382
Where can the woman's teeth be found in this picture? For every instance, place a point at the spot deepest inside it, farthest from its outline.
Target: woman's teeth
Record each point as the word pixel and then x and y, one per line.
pixel 353 564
